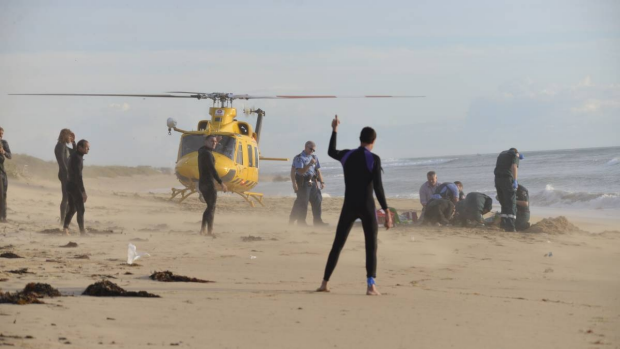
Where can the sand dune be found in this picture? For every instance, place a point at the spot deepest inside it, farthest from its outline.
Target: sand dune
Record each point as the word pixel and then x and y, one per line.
pixel 443 287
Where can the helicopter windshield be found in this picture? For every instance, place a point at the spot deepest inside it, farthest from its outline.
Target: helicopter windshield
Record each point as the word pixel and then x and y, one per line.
pixel 191 143
pixel 226 146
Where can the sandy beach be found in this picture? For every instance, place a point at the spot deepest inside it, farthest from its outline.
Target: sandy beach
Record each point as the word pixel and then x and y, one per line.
pixel 442 286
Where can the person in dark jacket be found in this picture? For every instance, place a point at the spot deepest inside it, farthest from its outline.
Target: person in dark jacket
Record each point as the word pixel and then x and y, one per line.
pixel 470 211
pixel 438 212
pixel 362 174
pixel 75 187
pixel 523 209
pixel 206 184
pixel 506 173
pixel 5 153
pixel 63 154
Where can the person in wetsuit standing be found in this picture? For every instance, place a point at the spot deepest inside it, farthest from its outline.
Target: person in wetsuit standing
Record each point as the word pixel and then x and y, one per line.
pixel 75 187
pixel 206 185
pixel 63 154
pixel 5 153
pixel 362 173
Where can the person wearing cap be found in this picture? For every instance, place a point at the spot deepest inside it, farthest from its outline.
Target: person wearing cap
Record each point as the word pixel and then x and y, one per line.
pixel 523 209
pixel 206 182
pixel 506 174
pixel 307 184
pixel 5 153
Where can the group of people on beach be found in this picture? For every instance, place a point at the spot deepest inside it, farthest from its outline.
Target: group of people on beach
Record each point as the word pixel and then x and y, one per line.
pixel 446 204
pixel 442 203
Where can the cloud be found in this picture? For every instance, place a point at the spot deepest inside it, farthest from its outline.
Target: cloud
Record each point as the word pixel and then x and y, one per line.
pixel 122 107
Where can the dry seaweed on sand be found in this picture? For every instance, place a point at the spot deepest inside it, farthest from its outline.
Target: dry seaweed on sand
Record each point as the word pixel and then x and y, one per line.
pixel 251 238
pixel 52 231
pixel 30 294
pixel 106 288
pixel 71 244
pixel 99 232
pixel 6 247
pixel 10 255
pixel 20 271
pixel 168 276
pixel 554 226
pixel 81 256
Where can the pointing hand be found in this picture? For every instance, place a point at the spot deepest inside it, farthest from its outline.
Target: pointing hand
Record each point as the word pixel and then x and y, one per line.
pixel 335 123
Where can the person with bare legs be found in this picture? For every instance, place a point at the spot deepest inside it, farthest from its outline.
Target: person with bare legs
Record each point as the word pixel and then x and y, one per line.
pixel 362 174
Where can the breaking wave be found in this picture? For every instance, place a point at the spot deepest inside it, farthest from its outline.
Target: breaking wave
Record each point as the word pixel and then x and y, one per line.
pixel 551 197
pixel 401 162
pixel 613 162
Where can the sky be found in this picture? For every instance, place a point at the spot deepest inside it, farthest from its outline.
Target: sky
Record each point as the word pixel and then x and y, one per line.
pixel 529 74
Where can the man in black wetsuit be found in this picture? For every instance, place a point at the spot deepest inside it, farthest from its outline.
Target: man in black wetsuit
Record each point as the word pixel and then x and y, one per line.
pixel 362 173
pixel 75 187
pixel 5 153
pixel 206 185
pixel 63 154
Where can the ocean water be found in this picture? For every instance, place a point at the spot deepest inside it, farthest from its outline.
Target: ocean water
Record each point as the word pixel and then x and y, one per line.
pixel 577 178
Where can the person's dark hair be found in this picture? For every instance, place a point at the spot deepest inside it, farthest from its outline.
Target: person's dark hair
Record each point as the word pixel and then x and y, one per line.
pixel 368 135
pixel 458 183
pixel 488 204
pixel 209 136
pixel 514 149
pixel 82 143
pixel 430 174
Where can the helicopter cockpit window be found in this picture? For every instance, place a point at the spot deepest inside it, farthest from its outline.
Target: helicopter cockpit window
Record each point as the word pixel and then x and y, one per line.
pixel 226 146
pixel 191 143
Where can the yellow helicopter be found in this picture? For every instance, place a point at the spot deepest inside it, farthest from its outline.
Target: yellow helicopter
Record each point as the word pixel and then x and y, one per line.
pixel 237 156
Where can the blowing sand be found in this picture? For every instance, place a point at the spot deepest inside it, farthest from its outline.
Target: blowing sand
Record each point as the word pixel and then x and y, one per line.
pixel 442 287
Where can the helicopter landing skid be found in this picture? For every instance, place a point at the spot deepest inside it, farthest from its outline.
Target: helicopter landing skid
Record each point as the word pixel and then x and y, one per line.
pixel 258 197
pixel 185 193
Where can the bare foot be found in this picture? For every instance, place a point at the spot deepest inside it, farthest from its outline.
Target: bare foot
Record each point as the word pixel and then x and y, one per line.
pixel 67 232
pixel 202 232
pixel 323 287
pixel 372 291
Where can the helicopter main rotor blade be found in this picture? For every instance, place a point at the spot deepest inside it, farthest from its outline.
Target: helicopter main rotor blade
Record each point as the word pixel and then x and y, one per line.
pixel 317 97
pixel 97 95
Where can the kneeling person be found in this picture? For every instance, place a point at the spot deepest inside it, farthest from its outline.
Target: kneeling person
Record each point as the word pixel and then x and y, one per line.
pixel 438 211
pixel 523 209
pixel 471 210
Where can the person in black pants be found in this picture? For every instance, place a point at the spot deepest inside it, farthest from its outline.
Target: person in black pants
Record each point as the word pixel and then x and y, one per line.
pixel 206 185
pixel 506 173
pixel 63 154
pixel 438 212
pixel 362 173
pixel 75 187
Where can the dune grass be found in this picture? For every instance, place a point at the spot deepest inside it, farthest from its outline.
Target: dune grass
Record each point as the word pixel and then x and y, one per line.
pixel 26 166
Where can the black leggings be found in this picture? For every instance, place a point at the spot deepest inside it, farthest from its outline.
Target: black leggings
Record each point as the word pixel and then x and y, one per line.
pixel 210 196
pixel 76 204
pixel 65 199
pixel 369 222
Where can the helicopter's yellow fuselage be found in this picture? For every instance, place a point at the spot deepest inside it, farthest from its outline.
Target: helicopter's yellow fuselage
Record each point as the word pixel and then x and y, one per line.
pixel 236 156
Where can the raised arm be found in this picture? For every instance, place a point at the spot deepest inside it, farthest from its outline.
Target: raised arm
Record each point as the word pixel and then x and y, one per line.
pixel 331 151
